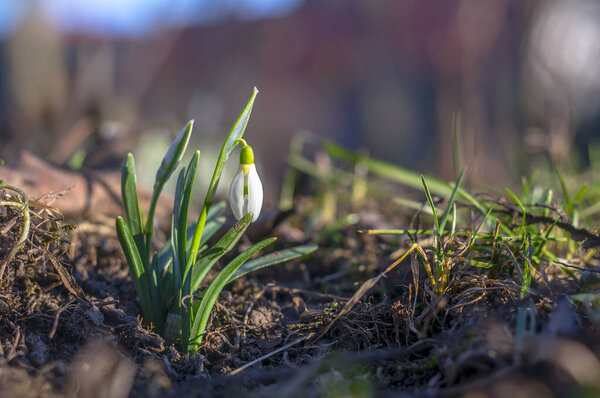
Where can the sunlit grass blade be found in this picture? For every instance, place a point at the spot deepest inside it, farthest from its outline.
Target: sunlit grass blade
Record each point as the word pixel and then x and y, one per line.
pixel 286 197
pixel 388 170
pixel 475 234
pixel 450 202
pixel 336 225
pixel 213 291
pixel 521 207
pixel 435 217
pixel 568 199
pixel 415 205
pixel 409 232
pixel 580 194
pixel 453 226
pixel 273 259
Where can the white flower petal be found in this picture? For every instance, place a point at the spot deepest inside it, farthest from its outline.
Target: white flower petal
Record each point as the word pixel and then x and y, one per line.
pixel 255 193
pixel 252 202
pixel 236 195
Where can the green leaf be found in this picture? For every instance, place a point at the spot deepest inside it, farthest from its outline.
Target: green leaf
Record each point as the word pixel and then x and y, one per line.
pixel 159 303
pixel 173 156
pixel 130 201
pixel 178 260
pixel 274 258
pixel 136 267
pixel 521 207
pixel 184 206
pixel 212 293
pixel 580 193
pixel 214 222
pixel 212 255
pixel 237 131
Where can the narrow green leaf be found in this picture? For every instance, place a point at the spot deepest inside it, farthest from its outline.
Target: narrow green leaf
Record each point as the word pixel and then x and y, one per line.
pixel 580 193
pixel 563 185
pixel 173 156
pixel 450 201
pixel 184 205
pixel 435 217
pixel 415 205
pixel 159 302
pixel 453 228
pixel 273 259
pixel 397 173
pixel 475 237
pixel 212 293
pixel 174 242
pixel 130 201
pixel 237 131
pixel 224 245
pixel 136 267
pixel 129 248
pixel 166 169
pixel 521 207
pixel 336 225
pixel 214 222
pixel 388 170
pixel 395 231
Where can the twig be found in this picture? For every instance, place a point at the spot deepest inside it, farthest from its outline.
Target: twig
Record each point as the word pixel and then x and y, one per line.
pixel 57 316
pixel 105 303
pixel 320 295
pixel 278 350
pixel 12 353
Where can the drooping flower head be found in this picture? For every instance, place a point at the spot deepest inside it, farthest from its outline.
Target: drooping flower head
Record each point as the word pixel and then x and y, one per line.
pixel 246 192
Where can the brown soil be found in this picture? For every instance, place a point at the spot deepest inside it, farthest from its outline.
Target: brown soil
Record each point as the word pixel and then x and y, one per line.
pixel 69 325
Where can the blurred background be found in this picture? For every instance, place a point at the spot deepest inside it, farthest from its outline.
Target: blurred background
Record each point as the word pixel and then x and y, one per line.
pixel 83 82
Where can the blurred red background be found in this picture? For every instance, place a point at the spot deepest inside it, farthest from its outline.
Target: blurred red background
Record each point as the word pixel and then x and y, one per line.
pixel 386 77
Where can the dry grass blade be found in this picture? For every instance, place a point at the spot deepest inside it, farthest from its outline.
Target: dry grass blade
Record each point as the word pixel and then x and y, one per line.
pixel 365 287
pixel 68 280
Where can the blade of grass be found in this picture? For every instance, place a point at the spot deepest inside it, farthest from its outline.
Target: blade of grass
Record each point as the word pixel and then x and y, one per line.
pixel 568 198
pixel 521 207
pixel 435 217
pixel 450 201
pixel 388 170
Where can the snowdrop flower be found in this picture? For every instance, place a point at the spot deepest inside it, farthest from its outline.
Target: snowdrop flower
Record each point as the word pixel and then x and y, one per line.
pixel 246 192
